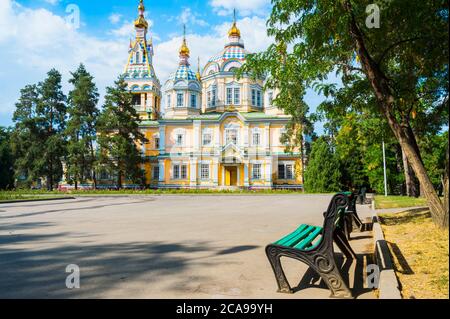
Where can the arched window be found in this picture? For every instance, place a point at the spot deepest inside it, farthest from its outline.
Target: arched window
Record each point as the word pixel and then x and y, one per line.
pixel 137 58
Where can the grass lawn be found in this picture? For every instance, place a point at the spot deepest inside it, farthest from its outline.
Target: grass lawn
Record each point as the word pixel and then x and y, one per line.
pixel 398 202
pixel 42 194
pixel 6 196
pixel 420 253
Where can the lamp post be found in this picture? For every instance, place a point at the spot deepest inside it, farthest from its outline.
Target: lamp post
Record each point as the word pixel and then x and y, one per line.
pixel 384 169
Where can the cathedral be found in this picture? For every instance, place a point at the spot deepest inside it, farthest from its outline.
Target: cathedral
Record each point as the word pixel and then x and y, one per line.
pixel 206 129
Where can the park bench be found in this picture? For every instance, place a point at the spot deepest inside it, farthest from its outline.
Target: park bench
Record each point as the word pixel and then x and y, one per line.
pixel 313 245
pixel 352 219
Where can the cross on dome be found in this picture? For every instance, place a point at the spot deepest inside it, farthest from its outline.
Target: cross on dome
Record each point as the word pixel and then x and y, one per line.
pixel 234 31
pixel 184 50
pixel 140 22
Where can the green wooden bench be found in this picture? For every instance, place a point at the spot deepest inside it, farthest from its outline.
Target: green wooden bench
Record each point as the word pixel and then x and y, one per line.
pixel 313 245
pixel 352 220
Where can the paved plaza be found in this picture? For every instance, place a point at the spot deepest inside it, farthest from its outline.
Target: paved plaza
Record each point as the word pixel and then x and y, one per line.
pixel 199 246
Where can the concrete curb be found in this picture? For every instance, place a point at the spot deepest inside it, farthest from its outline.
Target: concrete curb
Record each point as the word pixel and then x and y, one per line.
pixel 388 285
pixel 34 200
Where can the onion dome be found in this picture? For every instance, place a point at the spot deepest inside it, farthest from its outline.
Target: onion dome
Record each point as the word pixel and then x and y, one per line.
pixel 140 22
pixel 184 72
pixel 184 50
pixel 234 31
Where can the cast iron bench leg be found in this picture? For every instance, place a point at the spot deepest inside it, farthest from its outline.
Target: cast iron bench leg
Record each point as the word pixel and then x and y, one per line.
pixel 274 255
pixel 322 262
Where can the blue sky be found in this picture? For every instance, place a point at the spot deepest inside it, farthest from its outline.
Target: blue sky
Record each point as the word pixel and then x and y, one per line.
pixel 35 37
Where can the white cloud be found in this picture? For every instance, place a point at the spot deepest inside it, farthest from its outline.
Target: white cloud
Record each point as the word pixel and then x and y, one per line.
pixel 253 31
pixel 32 41
pixel 52 2
pixel 189 17
pixel 37 40
pixel 244 7
pixel 115 18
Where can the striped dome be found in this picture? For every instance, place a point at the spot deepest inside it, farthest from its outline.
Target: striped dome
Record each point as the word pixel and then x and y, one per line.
pixel 230 52
pixel 183 73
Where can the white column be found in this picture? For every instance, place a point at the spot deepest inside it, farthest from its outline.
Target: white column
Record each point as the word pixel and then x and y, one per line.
pixel 143 149
pixel 161 171
pixel 223 175
pixel 267 137
pixel 239 175
pixel 162 139
pixel 268 172
pixel 197 135
pixel 215 168
pixel 193 173
pixel 246 176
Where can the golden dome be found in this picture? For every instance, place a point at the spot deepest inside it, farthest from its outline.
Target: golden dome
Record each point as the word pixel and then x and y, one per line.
pixel 140 22
pixel 234 31
pixel 184 50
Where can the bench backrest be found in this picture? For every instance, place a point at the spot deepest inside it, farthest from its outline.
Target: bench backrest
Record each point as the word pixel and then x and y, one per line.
pixel 334 216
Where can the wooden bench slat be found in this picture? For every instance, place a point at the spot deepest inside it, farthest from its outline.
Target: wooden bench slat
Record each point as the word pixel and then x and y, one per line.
pixel 291 235
pixel 295 240
pixel 308 240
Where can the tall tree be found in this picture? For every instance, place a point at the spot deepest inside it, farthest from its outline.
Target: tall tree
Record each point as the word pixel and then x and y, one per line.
pixel 400 64
pixel 38 138
pixel 81 128
pixel 323 173
pixel 6 160
pixel 51 118
pixel 119 136
pixel 26 139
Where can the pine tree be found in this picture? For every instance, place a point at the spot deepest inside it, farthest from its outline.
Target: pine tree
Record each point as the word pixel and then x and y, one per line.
pixel 81 128
pixel 26 139
pixel 38 140
pixel 322 174
pixel 51 117
pixel 119 136
pixel 6 160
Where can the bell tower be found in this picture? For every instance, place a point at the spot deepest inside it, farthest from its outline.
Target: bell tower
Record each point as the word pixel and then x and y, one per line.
pixel 139 72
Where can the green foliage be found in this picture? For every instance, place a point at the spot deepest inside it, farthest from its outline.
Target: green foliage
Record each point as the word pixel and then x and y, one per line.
pixel 81 127
pixel 119 135
pixel 38 139
pixel 434 148
pixel 322 173
pixel 6 160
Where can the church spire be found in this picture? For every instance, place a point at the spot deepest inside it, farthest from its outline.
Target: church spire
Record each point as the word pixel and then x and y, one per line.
pixel 198 75
pixel 184 50
pixel 140 22
pixel 234 31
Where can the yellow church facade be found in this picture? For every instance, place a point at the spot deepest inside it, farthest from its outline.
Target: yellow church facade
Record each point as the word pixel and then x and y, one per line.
pixel 207 129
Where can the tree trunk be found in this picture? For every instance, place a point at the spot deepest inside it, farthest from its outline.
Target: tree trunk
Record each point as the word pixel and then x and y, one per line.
pixel 410 178
pixel 446 189
pixel 402 131
pixel 92 165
